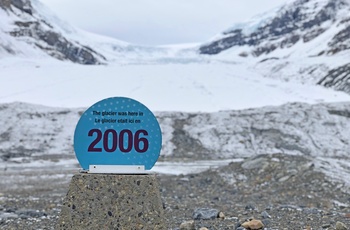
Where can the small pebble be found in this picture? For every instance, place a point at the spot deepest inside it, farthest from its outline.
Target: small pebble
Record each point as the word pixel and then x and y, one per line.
pixel 203 228
pixel 187 225
pixel 253 224
pixel 340 226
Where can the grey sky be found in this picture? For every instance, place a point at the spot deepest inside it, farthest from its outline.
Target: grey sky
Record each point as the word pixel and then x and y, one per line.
pixel 158 22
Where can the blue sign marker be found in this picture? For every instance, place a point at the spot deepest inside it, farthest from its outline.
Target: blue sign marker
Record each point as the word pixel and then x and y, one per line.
pixel 117 131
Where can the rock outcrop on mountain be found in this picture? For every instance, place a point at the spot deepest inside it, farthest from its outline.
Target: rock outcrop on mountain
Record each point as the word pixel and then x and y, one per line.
pixel 25 24
pixel 338 79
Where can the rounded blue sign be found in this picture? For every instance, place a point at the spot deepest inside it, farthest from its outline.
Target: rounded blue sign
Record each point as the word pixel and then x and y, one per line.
pixel 117 131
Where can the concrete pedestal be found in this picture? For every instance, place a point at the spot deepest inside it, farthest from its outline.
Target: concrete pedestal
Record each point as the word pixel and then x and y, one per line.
pixel 108 201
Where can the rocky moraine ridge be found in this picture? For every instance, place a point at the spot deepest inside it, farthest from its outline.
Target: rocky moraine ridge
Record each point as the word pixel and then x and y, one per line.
pixel 29 131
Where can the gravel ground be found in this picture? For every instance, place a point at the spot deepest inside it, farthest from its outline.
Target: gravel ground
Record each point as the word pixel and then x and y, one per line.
pixel 282 191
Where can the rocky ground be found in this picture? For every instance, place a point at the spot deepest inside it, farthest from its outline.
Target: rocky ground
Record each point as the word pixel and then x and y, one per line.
pixel 281 191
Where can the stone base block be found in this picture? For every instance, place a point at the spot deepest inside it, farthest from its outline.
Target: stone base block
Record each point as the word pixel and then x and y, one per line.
pixel 107 201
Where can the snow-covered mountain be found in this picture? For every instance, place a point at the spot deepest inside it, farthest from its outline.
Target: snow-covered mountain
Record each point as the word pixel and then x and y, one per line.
pixel 28 29
pixel 29 32
pixel 311 27
pixel 305 40
pixel 185 79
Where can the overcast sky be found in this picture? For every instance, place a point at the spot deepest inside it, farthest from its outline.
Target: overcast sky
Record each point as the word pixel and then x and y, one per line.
pixel 158 22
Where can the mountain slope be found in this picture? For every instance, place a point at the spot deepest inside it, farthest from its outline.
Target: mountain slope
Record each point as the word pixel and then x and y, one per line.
pixel 25 31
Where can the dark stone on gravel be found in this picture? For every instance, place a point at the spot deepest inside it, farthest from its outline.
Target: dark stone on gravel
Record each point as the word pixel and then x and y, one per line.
pixel 266 222
pixel 309 211
pixel 265 215
pixel 205 214
pixel 249 207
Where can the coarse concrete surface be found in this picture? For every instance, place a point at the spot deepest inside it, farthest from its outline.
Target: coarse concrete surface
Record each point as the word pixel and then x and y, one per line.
pixel 111 201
